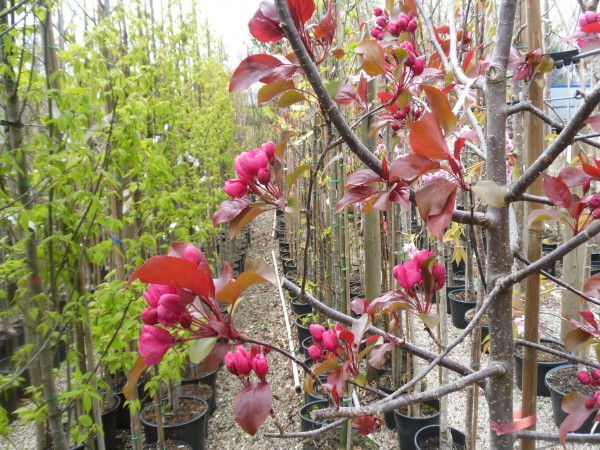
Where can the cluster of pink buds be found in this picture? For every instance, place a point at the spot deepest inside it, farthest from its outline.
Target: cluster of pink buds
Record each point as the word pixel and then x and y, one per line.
pixel 403 114
pixel 594 205
pixel 241 363
pixel 255 169
pixel 588 17
pixel 593 379
pixel 324 340
pixel 410 274
pixel 405 23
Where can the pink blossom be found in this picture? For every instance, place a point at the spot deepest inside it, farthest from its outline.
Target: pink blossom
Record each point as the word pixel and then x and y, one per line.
pixel 169 310
pixel 584 377
pixel 192 253
pixel 377 11
pixel 412 26
pixel 418 66
pixel 235 188
pixel 330 340
pixel 264 176
pixel 317 330
pixel 260 366
pixel 243 362
pixel 439 274
pixel 408 275
pixel 594 201
pixel 269 149
pixel 155 291
pixel 149 316
pixel 254 160
pixel 590 402
pixel 422 256
pixel 185 319
pixel 315 352
pixel 230 363
pixel 154 343
pixel 597 398
pixel 595 377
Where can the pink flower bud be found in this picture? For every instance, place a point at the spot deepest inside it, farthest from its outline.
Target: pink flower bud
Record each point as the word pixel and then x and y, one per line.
pixel 185 319
pixel 395 127
pixel 404 16
pixel 591 16
pixel 594 201
pixel 377 11
pixel 149 316
pixel 382 21
pixel 315 352
pixel 243 363
pixel 584 377
pixel 230 363
pixel 586 185
pixel 439 274
pixel 596 214
pixel 169 310
pixel 401 24
pixel 375 32
pixel 317 330
pixel 582 21
pixel 264 176
pixel 394 29
pixel 412 26
pixel 416 113
pixel 192 253
pixel 597 398
pixel 422 256
pixel 590 403
pixel 260 366
pixel 330 340
pixel 154 343
pixel 418 66
pixel 237 165
pixel 410 59
pixel 235 188
pixel 269 149
pixel 595 377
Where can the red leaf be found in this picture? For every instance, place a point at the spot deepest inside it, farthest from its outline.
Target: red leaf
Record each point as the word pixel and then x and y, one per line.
pixel 365 425
pixel 243 219
pixel 363 177
pixel 229 210
pixel 377 356
pixel 252 406
pixel 410 167
pixel 592 285
pixel 261 67
pixel 573 176
pixel 384 98
pixel 172 271
pixel 264 25
pixel 594 122
pixel 426 138
pixel 435 201
pixel 362 90
pixel 301 11
pixel 177 249
pixel 574 420
pixel 557 191
pixel 355 195
pixel 441 108
pixel 588 316
pixel 591 28
pixel 346 94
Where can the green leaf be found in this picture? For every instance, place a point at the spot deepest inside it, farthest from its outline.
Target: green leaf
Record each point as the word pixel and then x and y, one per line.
pixel 200 348
pixel 293 206
pixel 86 420
pixel 290 98
pixel 297 173
pixel 272 90
pixel 489 192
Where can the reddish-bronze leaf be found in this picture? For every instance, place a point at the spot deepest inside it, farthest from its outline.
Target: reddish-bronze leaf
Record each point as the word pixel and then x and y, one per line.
pixel 441 108
pixel 301 11
pixel 252 406
pixel 138 367
pixel 362 177
pixel 261 67
pixel 592 286
pixel 427 139
pixel 264 25
pixel 410 167
pixel 557 191
pixel 172 271
pixel 229 210
pixel 575 403
pixel 373 59
pixel 243 219
pixel 355 195
pixel 573 176
pixel 257 272
pixel 435 201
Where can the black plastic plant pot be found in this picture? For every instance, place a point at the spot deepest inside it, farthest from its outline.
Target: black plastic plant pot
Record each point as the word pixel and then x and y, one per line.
pixel 432 432
pixel 192 432
pixel 407 427
pixel 458 278
pixel 460 287
pixel 210 379
pixel 595 259
pixel 289 266
pixel 169 444
pixel 556 397
pixel 305 344
pixel 300 308
pixel 390 422
pixel 458 309
pixel 109 423
pixel 542 369
pixel 594 269
pixel 302 324
pixel 292 277
pixel 306 423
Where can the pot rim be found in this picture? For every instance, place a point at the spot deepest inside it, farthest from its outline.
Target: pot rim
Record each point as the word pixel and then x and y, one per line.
pixel 561 362
pixel 169 426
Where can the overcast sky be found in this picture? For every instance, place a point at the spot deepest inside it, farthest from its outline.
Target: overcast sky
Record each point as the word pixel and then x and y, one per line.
pixel 229 19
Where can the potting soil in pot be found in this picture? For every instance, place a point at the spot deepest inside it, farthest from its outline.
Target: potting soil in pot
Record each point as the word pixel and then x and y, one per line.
pixel 543 356
pixel 566 381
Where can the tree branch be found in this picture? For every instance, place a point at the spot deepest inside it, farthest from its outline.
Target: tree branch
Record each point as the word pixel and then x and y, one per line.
pixel 563 140
pixel 535 199
pixel 567 356
pixel 553 437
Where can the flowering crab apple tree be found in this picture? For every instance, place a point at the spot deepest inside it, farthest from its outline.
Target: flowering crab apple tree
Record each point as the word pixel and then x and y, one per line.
pixel 187 307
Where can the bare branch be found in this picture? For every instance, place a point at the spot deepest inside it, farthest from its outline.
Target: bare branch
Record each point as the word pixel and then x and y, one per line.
pixel 554 352
pixel 553 437
pixel 536 199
